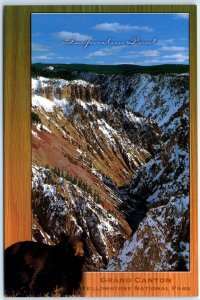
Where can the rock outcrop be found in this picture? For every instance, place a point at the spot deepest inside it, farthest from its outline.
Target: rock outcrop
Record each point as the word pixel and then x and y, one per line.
pixel 62 89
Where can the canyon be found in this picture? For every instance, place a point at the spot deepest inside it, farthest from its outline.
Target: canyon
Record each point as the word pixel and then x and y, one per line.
pixel 110 158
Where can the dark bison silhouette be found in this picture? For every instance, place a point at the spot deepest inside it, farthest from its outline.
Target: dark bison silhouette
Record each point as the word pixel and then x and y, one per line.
pixel 36 269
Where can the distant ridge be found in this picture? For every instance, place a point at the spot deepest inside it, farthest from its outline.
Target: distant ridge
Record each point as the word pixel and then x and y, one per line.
pixel 65 71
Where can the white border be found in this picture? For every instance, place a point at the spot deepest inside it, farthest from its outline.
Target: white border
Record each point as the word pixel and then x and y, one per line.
pixel 89 2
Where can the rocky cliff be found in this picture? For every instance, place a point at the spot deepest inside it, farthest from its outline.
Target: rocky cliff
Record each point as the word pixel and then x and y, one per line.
pixel 62 89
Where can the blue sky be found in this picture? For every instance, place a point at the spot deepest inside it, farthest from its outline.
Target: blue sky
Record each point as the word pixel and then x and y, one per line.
pixel 141 39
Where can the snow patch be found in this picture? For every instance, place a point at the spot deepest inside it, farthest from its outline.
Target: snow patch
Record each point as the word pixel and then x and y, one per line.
pixel 46 104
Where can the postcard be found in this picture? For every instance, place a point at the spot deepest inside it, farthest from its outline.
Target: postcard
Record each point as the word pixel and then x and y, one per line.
pixel 100 151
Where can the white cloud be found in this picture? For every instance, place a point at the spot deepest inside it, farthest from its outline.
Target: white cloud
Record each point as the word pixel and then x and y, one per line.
pixel 173 48
pixel 43 57
pixel 184 16
pixel 165 59
pixel 160 61
pixel 150 53
pixel 125 63
pixel 143 62
pixel 166 42
pixel 179 57
pixel 147 61
pixel 133 54
pixel 39 47
pixel 116 27
pixel 67 36
pixel 171 61
pixel 106 51
pixel 46 57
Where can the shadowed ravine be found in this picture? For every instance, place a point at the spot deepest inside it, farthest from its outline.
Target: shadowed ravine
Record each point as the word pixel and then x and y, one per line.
pixel 133 209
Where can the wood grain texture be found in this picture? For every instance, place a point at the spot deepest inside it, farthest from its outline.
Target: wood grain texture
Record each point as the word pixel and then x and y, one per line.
pixel 17 152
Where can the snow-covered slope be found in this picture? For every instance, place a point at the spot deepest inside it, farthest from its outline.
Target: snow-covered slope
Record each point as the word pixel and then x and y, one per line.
pixel 94 148
pixel 160 186
pixel 113 139
pixel 161 242
pixel 158 96
pixel 62 204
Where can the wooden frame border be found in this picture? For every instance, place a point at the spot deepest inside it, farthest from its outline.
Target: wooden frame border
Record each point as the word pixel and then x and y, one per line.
pixel 17 145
